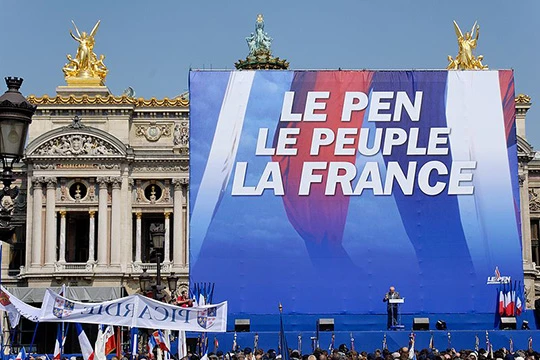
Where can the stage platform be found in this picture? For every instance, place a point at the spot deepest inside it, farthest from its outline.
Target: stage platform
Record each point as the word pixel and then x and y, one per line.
pixel 371 322
pixel 369 331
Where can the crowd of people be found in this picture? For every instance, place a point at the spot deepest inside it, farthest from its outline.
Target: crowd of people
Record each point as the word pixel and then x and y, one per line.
pixel 404 353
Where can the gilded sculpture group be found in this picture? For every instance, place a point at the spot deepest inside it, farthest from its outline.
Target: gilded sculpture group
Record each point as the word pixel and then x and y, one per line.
pixel 465 60
pixel 86 65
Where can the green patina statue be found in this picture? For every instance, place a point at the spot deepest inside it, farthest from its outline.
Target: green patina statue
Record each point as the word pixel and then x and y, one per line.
pixel 260 55
pixel 259 42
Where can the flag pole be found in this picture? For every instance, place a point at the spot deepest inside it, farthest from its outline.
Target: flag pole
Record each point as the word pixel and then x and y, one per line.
pixel 33 337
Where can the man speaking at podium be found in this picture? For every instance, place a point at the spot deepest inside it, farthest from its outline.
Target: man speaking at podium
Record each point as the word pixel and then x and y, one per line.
pixel 392 309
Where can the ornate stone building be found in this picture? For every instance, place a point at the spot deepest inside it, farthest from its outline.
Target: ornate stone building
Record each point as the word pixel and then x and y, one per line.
pixel 105 178
pixel 529 182
pixel 106 174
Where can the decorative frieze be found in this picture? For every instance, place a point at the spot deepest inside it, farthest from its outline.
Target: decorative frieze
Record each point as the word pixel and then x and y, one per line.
pixel 76 145
pixel 69 166
pixel 153 132
pixel 159 168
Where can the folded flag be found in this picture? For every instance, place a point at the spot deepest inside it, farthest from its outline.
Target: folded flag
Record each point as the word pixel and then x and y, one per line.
pixel 21 355
pixel 86 347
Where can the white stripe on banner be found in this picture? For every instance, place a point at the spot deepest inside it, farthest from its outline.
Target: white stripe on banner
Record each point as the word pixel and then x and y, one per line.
pixel 475 115
pixel 221 158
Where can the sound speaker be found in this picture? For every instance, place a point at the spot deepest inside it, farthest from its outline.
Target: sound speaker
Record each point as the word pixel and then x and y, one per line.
pixel 242 325
pixel 441 325
pixel 325 324
pixel 420 324
pixel 508 323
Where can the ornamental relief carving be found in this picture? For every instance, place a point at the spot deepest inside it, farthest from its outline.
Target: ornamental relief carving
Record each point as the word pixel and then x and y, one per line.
pixel 181 134
pixel 49 166
pixel 152 192
pixel 153 132
pixel 159 168
pixel 534 200
pixel 76 145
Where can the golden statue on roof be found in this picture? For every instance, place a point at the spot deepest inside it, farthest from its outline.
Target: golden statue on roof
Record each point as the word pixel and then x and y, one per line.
pixel 465 60
pixel 86 69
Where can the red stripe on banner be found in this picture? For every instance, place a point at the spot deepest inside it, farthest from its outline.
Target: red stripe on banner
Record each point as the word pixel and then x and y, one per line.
pixel 320 219
pixel 506 83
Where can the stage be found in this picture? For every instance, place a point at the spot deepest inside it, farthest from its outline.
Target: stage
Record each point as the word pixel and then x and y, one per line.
pixel 369 332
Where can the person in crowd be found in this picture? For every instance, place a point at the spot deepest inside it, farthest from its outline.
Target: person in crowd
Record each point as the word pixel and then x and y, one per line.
pixel 183 300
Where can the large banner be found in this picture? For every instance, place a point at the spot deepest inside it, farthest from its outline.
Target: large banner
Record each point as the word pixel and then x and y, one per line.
pixel 135 311
pixel 16 307
pixel 320 189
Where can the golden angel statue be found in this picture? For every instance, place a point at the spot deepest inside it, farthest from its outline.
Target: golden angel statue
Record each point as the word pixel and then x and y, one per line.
pixel 86 64
pixel 465 60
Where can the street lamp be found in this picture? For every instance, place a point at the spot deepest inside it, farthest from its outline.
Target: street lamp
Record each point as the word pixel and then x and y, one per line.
pixel 172 281
pixel 158 239
pixel 145 282
pixel 15 118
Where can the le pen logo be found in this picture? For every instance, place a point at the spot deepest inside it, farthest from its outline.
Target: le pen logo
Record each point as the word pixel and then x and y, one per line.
pixel 498 278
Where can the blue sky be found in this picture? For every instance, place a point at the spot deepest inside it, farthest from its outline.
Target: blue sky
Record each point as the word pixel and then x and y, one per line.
pixel 152 45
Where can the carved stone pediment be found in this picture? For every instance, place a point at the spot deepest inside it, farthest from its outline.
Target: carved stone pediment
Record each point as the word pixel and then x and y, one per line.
pixel 76 145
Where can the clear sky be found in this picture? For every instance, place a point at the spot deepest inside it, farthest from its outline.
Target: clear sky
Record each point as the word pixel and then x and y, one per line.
pixel 152 45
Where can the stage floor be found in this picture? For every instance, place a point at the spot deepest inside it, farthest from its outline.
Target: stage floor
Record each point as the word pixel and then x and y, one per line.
pixel 369 331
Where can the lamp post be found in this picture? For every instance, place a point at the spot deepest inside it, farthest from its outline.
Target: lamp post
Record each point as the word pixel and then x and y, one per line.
pixel 145 282
pixel 15 118
pixel 158 239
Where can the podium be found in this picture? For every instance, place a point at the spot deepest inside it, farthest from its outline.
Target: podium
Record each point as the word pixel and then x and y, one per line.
pixel 396 320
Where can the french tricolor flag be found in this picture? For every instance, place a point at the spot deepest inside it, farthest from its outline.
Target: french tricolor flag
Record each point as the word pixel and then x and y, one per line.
pixel 21 355
pixel 86 347
pixel 58 344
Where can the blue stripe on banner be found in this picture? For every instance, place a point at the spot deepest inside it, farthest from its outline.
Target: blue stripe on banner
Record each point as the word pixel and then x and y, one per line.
pixel 432 223
pixel 263 214
pixel 205 87
pixel 221 159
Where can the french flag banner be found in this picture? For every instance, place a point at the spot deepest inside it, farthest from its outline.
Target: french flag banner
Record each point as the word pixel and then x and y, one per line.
pixel 349 175
pixel 160 340
pixel 86 348
pixel 21 355
pixel 58 344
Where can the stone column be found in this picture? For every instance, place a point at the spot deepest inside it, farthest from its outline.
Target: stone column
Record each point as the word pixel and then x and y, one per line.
pixel 50 225
pixel 167 243
pixel 138 236
pixel 62 251
pixel 128 258
pixel 525 214
pixel 178 231
pixel 116 221
pixel 523 104
pixel 91 237
pixel 185 223
pixel 103 196
pixel 529 268
pixel 37 227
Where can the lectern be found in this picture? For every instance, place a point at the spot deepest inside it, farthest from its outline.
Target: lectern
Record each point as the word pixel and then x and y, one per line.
pixel 395 307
